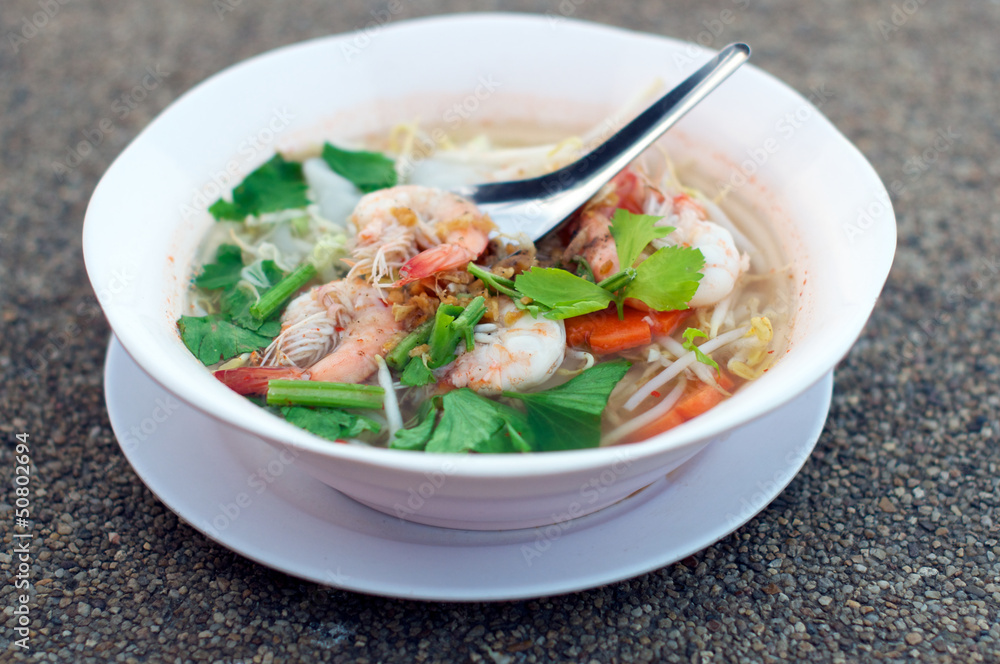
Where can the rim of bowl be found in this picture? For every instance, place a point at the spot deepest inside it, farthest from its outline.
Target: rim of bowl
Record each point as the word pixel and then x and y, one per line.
pixel 277 431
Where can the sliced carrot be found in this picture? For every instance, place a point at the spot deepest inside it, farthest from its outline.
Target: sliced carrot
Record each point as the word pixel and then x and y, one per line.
pixel 615 335
pixel 665 322
pixel 253 380
pixel 695 401
pixel 603 332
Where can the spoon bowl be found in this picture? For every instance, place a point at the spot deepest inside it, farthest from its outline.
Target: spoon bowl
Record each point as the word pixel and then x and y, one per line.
pixel 537 205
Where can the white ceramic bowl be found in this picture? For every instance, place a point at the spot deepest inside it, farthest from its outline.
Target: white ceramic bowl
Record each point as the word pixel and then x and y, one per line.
pixel 823 199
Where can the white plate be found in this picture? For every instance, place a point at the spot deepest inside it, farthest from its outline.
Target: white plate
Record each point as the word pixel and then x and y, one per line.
pixel 252 498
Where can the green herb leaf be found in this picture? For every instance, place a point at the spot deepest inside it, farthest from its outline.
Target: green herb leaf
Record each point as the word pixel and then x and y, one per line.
pixel 416 373
pixel 568 417
pixel 277 185
pixel 415 438
pixel 494 281
pixel 471 423
pixel 632 232
pixel 213 338
pixel 582 265
pixel 239 299
pixel 368 171
pixel 225 271
pixel 668 279
pixel 563 293
pixel 330 423
pixel 689 336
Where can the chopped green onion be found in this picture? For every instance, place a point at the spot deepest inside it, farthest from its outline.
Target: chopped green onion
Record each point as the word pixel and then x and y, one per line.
pixel 400 355
pixel 281 291
pixel 618 280
pixel 442 341
pixel 452 324
pixel 322 394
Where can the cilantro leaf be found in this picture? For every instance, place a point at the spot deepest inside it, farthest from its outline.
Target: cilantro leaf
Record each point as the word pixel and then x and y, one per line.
pixel 564 293
pixel 668 279
pixel 329 423
pixel 632 232
pixel 237 301
pixel 416 373
pixel 277 185
pixel 225 271
pixel 471 423
pixel 569 416
pixel 368 171
pixel 415 438
pixel 236 304
pixel 689 337
pixel 213 338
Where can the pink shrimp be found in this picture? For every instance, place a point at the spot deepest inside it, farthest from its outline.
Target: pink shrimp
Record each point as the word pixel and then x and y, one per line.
pixel 464 239
pixel 367 330
pixel 593 238
pixel 417 230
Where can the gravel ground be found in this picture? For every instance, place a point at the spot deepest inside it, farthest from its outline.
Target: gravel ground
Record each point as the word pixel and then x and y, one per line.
pixel 884 547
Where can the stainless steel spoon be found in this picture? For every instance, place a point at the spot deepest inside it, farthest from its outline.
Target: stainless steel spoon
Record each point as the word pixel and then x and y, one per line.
pixel 537 205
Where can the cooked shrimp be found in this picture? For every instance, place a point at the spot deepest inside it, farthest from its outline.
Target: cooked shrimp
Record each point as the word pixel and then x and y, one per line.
pixel 516 353
pixel 593 239
pixel 369 328
pixel 336 330
pixel 723 261
pixel 417 230
pixel 310 327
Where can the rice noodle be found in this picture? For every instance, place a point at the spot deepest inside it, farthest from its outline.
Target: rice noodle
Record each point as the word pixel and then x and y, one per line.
pixel 680 365
pixel 721 218
pixel 701 370
pixel 651 415
pixel 719 315
pixel 394 418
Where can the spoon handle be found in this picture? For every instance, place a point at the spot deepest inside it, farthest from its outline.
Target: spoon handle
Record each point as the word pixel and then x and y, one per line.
pixel 561 192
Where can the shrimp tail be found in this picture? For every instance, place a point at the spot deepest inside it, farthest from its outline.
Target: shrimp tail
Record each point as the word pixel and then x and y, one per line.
pixel 345 365
pixel 436 259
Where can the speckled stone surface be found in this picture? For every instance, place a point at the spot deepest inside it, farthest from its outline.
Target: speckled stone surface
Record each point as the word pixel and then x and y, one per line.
pixel 883 548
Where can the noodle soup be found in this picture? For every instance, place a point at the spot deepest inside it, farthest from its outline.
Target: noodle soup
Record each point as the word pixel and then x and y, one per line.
pixel 349 293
